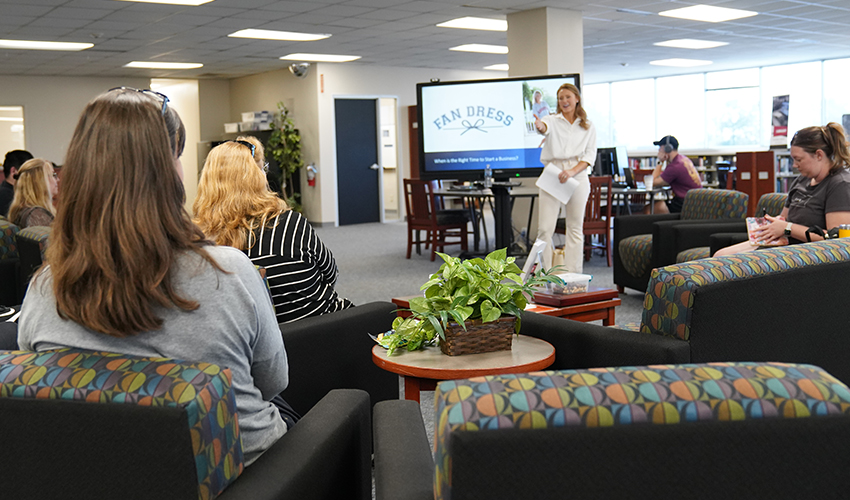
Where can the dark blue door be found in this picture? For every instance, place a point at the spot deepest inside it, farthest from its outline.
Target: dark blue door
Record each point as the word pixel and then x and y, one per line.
pixel 357 167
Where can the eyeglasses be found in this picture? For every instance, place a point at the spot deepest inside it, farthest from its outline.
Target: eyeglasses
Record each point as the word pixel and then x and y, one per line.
pixel 152 93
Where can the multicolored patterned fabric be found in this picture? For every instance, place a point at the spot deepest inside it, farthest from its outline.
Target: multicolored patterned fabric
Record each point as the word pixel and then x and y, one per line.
pixel 39 234
pixel 632 326
pixel 771 203
pixel 714 204
pixel 8 245
pixel 693 254
pixel 636 253
pixel 648 395
pixel 202 389
pixel 668 301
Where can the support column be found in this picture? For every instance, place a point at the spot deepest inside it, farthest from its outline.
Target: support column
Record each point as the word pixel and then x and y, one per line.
pixel 545 41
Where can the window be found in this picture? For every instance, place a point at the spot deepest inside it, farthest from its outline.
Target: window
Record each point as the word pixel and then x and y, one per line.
pixel 836 99
pixel 633 120
pixel 596 100
pixel 732 117
pixel 680 101
pixel 802 83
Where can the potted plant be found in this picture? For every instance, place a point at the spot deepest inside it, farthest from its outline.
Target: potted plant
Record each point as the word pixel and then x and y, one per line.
pixel 284 145
pixel 471 305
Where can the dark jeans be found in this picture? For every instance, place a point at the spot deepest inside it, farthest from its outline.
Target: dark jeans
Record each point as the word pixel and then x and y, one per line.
pixel 287 413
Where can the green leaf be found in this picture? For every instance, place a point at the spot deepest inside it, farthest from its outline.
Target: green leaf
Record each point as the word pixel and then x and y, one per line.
pixel 420 304
pixel 503 295
pixel 489 313
pixel 437 327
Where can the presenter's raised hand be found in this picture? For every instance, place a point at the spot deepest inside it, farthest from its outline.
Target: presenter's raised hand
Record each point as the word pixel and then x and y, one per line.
pixel 538 124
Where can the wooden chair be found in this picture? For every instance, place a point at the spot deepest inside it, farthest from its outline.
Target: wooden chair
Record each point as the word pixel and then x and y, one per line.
pixel 597 216
pixel 423 215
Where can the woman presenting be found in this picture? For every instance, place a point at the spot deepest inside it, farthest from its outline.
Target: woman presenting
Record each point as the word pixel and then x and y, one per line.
pixel 571 146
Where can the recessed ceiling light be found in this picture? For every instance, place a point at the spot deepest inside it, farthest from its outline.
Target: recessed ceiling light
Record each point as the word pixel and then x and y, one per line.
pixel 689 43
pixel 290 36
pixel 319 58
pixel 162 65
pixel 172 2
pixel 476 23
pixel 680 63
pixel 39 45
pixel 707 13
pixel 497 67
pixel 483 48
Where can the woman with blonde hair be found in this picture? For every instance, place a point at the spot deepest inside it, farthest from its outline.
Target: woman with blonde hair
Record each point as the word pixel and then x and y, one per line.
pixel 235 207
pixel 570 145
pixel 127 270
pixel 36 186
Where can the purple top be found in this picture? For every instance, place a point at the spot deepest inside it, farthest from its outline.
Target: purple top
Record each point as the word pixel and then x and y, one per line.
pixel 681 175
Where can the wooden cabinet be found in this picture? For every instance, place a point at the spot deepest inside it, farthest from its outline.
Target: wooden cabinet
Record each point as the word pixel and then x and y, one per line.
pixel 756 175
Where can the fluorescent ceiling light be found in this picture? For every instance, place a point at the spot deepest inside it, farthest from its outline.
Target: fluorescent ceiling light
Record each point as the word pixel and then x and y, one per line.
pixel 162 65
pixel 680 63
pixel 689 43
pixel 290 36
pixel 497 67
pixel 476 23
pixel 707 13
pixel 319 58
pixel 480 47
pixel 171 2
pixel 38 45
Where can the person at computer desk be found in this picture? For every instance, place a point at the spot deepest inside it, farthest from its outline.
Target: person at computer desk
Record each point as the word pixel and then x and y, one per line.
pixel 680 175
pixel 570 145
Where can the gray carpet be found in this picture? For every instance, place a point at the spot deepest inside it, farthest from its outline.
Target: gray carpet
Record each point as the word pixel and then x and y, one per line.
pixel 373 267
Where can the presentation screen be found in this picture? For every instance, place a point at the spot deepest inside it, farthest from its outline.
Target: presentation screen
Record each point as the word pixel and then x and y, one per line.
pixel 466 125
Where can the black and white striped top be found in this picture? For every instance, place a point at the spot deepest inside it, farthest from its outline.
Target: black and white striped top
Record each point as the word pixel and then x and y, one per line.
pixel 300 270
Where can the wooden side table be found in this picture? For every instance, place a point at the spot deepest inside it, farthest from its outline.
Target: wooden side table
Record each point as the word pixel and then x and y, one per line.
pixel 594 304
pixel 422 369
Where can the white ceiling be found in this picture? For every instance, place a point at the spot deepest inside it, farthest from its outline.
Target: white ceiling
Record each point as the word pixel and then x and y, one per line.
pixel 618 34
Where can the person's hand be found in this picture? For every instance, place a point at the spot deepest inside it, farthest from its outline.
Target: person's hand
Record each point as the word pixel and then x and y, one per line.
pixel 539 125
pixel 773 233
pixel 564 176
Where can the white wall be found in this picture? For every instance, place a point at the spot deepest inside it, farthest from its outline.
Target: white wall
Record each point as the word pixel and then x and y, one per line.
pixel 52 106
pixel 263 92
pixel 183 97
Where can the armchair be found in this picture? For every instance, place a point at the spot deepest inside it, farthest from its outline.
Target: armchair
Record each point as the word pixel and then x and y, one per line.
pixel 580 432
pixel 103 425
pixel 645 242
pixel 32 242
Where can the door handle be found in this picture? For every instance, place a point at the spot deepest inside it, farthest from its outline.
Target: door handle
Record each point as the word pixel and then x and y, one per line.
pixel 375 167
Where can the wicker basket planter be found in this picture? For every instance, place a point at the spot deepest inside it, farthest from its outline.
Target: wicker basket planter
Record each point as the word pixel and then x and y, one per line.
pixel 479 337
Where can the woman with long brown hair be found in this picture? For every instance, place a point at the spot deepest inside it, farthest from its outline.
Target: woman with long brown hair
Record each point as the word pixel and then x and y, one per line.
pixel 127 270
pixel 820 196
pixel 35 189
pixel 571 146
pixel 235 207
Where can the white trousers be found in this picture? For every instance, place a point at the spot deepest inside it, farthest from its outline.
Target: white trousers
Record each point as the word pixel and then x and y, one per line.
pixel 549 208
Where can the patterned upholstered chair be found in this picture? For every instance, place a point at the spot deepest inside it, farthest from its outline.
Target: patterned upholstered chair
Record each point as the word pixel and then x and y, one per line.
pixel 644 242
pixel 32 242
pixel 770 203
pixel 611 432
pixel 102 425
pixel 10 293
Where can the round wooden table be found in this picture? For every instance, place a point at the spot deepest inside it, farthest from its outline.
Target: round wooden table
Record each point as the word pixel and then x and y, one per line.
pixel 422 369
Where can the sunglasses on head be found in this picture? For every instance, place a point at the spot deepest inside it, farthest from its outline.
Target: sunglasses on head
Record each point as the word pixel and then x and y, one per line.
pixel 253 148
pixel 156 95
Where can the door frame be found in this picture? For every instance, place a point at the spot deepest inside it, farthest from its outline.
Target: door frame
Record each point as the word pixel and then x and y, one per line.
pixel 375 98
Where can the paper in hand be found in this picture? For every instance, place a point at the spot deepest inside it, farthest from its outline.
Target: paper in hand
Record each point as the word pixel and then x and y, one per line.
pixel 549 182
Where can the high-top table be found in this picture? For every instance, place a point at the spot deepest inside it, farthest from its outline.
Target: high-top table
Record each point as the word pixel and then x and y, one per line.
pixel 422 369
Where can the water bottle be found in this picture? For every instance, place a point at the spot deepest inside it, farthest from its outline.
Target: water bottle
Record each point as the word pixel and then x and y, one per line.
pixel 488 176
